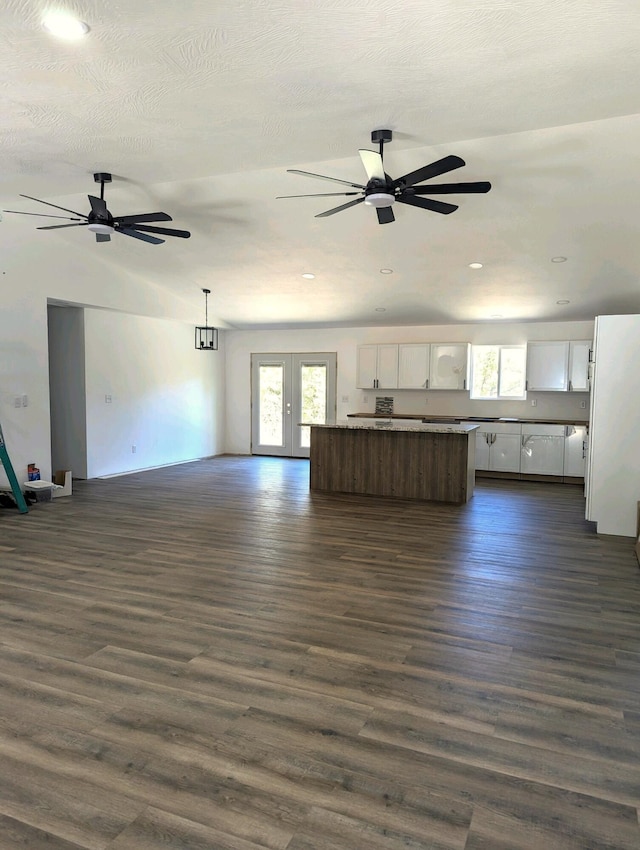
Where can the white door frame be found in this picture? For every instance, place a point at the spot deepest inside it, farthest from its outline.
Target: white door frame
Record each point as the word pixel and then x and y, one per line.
pixel 291 364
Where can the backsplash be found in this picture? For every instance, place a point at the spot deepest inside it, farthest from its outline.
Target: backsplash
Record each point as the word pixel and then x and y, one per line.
pixel 549 405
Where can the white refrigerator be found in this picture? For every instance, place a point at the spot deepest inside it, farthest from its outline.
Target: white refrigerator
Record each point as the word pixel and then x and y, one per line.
pixel 613 461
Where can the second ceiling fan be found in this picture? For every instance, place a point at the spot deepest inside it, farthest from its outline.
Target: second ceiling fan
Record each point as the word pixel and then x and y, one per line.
pixel 381 191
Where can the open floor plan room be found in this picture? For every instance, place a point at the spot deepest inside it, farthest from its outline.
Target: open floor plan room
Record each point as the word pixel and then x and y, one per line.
pixel 210 655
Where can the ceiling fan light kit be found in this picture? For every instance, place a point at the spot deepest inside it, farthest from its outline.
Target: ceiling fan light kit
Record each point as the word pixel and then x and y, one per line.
pixel 103 224
pixel 379 199
pixel 98 227
pixel 381 191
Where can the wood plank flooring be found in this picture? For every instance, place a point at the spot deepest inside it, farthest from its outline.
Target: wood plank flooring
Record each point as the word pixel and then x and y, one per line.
pixel 211 657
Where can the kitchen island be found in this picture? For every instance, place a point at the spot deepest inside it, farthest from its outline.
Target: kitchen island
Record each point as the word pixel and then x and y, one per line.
pixel 430 462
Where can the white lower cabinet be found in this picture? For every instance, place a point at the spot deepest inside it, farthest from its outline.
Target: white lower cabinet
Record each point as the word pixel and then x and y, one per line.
pixel 575 451
pixel 542 449
pixel 532 449
pixel 498 447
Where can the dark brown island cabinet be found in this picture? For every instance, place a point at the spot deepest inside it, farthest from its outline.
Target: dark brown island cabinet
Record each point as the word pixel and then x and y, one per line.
pixel 430 462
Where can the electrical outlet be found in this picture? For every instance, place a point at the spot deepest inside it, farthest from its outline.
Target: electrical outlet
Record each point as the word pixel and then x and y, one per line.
pixel 107 399
pixel 345 399
pixel 534 402
pixel 583 404
pixel 134 449
pixel 17 402
pixel 25 401
pixel 365 399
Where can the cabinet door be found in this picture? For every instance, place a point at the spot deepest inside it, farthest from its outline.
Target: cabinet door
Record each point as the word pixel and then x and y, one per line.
pixel 482 450
pixel 387 372
pixel 575 451
pixel 505 453
pixel 367 366
pixel 547 366
pixel 413 366
pixel 449 366
pixel 542 455
pixel 579 365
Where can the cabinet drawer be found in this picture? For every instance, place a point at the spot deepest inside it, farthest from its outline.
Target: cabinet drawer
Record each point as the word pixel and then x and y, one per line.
pixel 531 429
pixel 499 428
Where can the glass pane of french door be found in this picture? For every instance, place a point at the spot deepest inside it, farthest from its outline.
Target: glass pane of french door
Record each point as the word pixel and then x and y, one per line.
pixel 313 389
pixel 271 388
pixel 287 390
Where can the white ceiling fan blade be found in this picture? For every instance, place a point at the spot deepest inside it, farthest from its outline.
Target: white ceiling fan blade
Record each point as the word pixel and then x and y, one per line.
pixel 372 162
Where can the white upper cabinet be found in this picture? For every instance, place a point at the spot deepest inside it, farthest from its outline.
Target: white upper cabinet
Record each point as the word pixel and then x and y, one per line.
pixel 413 366
pixel 579 351
pixel 377 367
pixel 449 367
pixel 548 366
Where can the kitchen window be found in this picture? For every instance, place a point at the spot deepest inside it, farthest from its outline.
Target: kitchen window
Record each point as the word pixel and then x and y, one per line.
pixel 498 372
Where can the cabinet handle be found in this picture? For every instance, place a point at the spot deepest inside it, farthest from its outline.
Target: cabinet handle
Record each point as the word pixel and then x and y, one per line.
pixel 590 358
pixel 426 384
pixel 493 438
pixel 464 384
pixel 570 386
pixel 526 385
pixel 486 438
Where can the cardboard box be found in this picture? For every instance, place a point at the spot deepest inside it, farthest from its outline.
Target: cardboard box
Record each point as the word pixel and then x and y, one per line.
pixel 62 480
pixel 38 491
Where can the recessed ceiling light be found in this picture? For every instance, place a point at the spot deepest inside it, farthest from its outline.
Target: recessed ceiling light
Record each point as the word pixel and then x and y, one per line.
pixel 386 271
pixel 381 309
pixel 497 316
pixel 558 259
pixel 308 276
pixel 64 25
pixel 563 301
pixel 475 265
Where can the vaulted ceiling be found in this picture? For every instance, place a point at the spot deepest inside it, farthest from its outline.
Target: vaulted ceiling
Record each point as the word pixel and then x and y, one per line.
pixel 199 108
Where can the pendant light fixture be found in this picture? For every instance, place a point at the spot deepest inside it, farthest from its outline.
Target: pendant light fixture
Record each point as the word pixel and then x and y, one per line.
pixel 206 337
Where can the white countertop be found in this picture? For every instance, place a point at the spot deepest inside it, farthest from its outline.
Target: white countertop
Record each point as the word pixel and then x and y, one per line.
pixel 391 425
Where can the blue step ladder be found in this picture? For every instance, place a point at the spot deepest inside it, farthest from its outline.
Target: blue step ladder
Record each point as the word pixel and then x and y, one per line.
pixel 5 460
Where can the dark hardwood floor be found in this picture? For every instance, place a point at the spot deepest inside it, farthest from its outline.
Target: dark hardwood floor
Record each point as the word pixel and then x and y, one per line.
pixel 209 656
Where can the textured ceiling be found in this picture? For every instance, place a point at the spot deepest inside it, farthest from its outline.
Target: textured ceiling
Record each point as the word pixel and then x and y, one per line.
pixel 200 107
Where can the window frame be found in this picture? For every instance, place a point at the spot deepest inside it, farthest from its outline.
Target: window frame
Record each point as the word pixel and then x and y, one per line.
pixel 501 347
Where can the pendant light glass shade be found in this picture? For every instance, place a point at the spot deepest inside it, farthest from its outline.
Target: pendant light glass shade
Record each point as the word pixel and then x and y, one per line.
pixel 206 337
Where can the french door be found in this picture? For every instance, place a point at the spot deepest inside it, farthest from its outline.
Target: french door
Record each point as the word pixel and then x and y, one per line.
pixel 287 389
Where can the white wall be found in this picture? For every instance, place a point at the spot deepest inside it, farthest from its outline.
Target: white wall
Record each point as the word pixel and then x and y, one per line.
pixel 614 438
pixel 67 390
pixel 62 271
pixel 241 344
pixel 165 397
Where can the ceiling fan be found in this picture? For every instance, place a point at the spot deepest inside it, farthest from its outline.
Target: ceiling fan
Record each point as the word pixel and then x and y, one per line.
pixel 103 224
pixel 381 191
